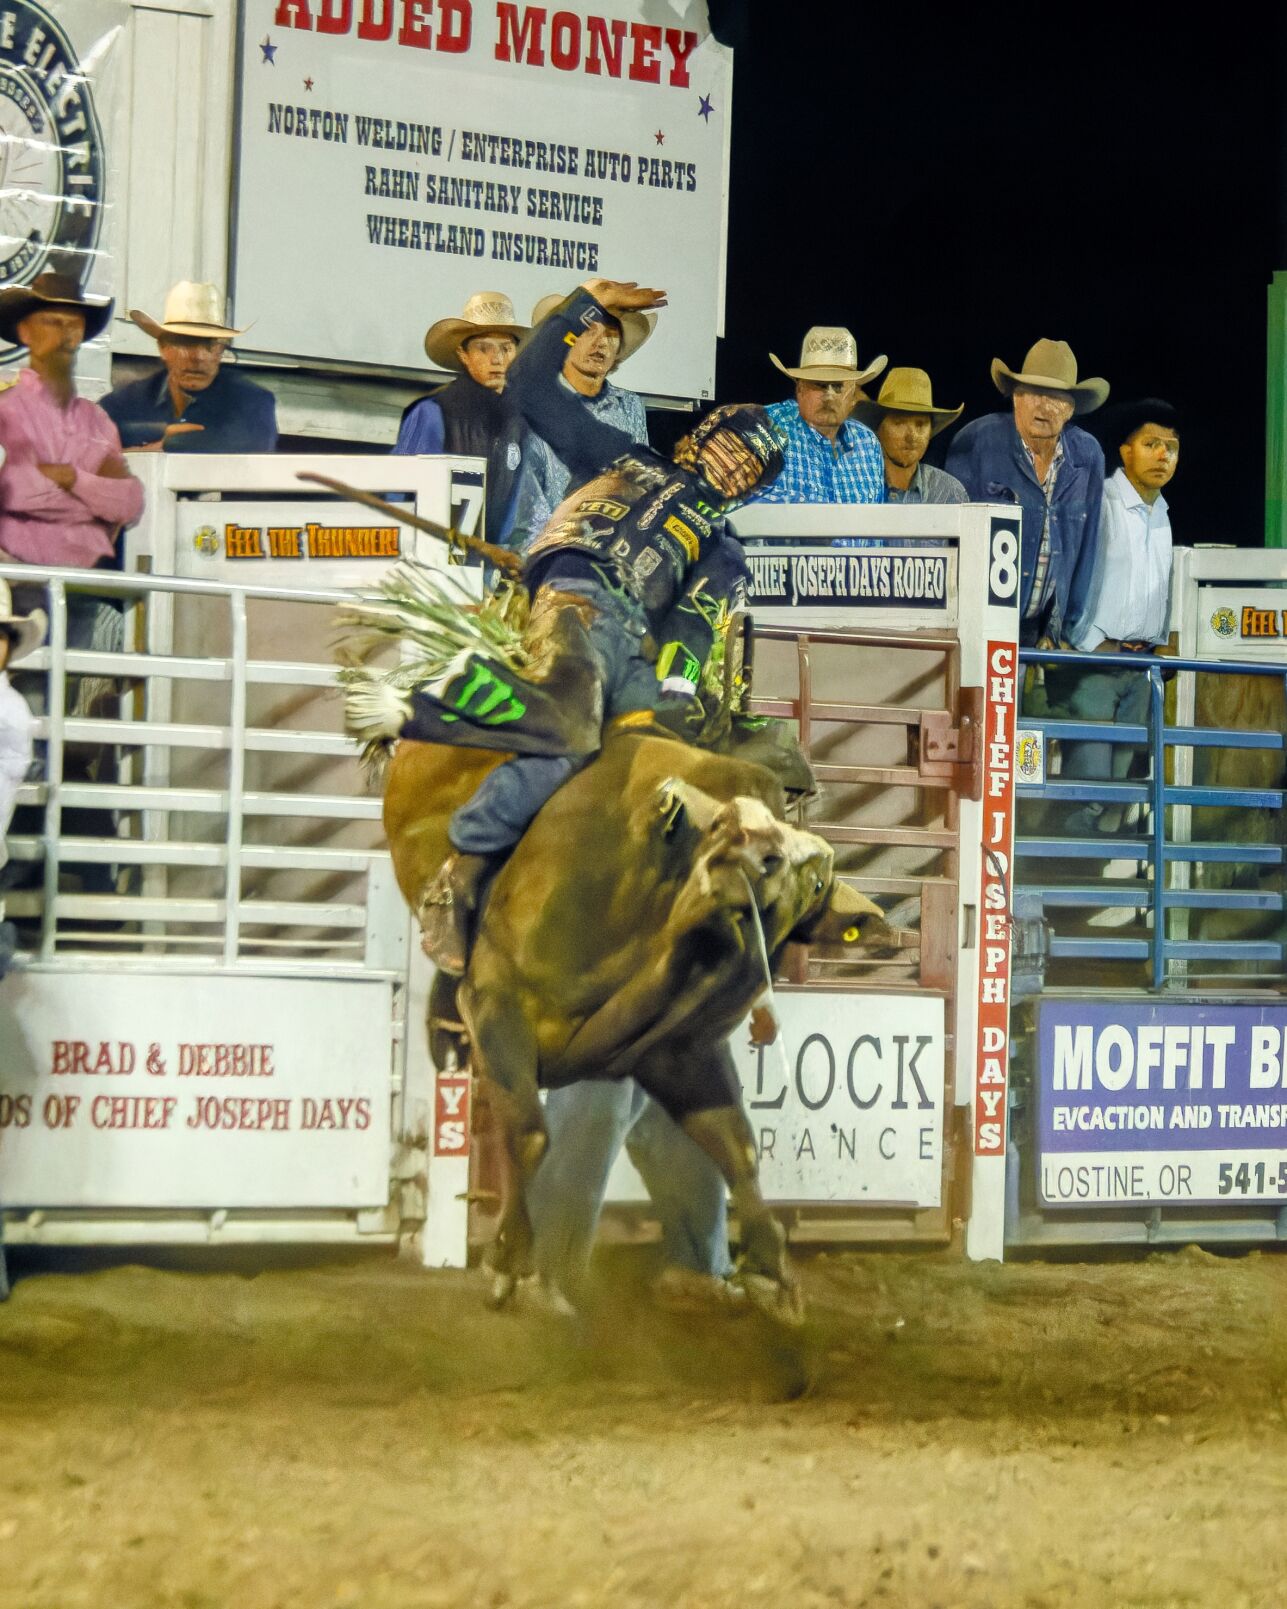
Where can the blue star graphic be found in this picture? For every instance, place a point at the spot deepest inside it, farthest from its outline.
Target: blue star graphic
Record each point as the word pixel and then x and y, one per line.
pixel 705 109
pixel 269 49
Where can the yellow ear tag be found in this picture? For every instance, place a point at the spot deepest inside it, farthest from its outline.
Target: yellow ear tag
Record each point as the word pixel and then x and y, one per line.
pixel 850 934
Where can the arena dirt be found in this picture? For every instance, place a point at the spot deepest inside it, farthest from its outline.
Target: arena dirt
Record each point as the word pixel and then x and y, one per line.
pixel 363 1433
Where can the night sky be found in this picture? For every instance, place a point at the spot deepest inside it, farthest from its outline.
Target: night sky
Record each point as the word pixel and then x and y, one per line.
pixel 952 191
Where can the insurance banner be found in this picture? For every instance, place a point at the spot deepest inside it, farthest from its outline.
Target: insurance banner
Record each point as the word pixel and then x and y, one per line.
pixel 1157 1103
pixel 432 149
pixel 59 72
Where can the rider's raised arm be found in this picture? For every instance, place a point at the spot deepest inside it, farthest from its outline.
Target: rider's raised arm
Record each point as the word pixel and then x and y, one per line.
pixel 551 408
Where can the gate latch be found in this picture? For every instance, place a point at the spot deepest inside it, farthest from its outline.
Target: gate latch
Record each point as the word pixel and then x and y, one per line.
pixel 949 746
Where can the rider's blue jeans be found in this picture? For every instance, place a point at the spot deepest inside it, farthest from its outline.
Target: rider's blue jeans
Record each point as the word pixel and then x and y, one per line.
pixel 588 1124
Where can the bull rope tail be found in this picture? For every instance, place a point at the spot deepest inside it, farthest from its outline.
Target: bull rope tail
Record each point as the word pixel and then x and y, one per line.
pixel 767 999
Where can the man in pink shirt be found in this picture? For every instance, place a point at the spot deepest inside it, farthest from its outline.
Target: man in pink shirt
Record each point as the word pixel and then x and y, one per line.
pixel 65 491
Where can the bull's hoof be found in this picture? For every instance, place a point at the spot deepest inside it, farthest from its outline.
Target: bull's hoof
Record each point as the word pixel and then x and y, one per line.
pixel 500 1288
pixel 780 1301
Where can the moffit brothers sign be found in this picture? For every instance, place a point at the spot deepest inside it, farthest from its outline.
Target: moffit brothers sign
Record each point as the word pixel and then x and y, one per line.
pixel 606 47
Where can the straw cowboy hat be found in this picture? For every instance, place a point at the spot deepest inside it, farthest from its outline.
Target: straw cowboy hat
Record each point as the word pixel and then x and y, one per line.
pixel 830 353
pixel 1051 366
pixel 486 313
pixel 49 290
pixel 30 628
pixel 906 391
pixel 190 309
pixel 635 327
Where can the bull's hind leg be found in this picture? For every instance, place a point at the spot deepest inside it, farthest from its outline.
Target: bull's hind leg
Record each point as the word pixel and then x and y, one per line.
pixel 504 1051
pixel 698 1086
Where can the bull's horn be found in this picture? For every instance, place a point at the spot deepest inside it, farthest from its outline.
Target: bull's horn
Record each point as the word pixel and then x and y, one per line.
pixel 841 920
pixel 675 797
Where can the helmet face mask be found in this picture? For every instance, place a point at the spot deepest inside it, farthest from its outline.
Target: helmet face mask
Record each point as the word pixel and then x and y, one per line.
pixel 734 449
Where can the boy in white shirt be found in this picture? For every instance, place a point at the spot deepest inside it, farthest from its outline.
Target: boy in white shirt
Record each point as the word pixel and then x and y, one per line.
pixel 1128 610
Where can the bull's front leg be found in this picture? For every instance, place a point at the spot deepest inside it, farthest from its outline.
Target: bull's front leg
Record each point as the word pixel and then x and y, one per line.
pixel 504 1052
pixel 764 1269
pixel 698 1085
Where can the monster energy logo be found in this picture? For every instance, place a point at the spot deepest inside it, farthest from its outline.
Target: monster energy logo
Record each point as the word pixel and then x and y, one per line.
pixel 487 699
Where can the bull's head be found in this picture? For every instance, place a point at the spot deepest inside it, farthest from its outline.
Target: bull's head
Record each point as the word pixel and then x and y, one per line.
pixel 746 859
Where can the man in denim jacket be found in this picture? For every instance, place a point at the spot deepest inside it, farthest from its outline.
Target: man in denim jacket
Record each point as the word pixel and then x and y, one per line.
pixel 1034 457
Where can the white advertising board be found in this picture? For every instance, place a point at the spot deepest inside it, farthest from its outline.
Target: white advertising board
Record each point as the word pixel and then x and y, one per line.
pixel 398 156
pixel 847 1106
pixel 291 543
pixel 132 1091
pixel 1246 622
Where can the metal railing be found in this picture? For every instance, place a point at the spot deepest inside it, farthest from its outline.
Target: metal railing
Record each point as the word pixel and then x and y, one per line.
pixel 1159 851
pixel 206 775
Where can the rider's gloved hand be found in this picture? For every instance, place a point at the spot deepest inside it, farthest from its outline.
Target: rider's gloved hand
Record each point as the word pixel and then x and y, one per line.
pixel 679 711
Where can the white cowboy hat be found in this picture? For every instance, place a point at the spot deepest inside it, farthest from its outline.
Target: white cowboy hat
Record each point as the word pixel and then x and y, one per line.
pixel 1051 366
pixel 30 628
pixel 829 352
pixel 485 313
pixel 635 327
pixel 906 391
pixel 190 309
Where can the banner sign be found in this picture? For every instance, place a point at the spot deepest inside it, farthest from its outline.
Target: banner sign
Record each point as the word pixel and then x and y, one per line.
pixel 848 574
pixel 58 102
pixel 1160 1103
pixel 1242 623
pixel 235 1092
pixel 432 149
pixel 992 1053
pixel 297 543
pixel 846 1106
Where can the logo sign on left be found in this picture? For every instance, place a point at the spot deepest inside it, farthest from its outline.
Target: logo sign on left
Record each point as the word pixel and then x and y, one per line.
pixel 51 150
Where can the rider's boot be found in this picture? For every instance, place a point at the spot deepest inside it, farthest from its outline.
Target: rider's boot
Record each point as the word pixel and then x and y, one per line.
pixel 447 910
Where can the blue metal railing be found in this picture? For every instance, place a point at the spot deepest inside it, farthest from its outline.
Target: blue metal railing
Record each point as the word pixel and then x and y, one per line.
pixel 1156 848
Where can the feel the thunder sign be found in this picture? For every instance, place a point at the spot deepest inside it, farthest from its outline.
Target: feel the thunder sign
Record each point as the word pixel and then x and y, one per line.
pixel 1160 1103
pixel 432 149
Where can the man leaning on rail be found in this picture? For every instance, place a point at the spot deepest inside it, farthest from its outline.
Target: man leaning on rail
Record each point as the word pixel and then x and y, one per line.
pixel 195 403
pixel 1129 605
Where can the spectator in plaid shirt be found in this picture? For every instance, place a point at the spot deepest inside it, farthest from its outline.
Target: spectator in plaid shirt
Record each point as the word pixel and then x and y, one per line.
pixel 1054 471
pixel 830 458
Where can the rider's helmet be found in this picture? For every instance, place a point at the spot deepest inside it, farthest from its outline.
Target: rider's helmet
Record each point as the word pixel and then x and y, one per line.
pixel 734 449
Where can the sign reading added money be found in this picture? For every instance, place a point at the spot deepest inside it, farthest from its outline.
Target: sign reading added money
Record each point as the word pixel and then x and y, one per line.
pixel 436 148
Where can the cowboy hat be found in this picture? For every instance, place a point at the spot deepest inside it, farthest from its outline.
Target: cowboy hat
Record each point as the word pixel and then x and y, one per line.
pixel 906 391
pixel 830 353
pixel 49 290
pixel 190 309
pixel 1051 366
pixel 485 313
pixel 30 628
pixel 635 327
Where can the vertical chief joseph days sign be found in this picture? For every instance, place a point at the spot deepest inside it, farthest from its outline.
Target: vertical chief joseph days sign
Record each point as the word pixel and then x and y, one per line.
pixel 434 148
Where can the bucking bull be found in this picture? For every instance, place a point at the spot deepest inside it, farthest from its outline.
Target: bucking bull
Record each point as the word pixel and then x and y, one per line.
pixel 637 922
pixel 634 927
